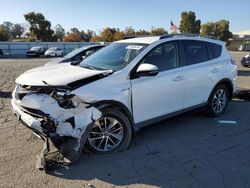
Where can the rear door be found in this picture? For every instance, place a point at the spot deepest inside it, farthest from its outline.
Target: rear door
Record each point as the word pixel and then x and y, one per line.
pixel 155 96
pixel 201 70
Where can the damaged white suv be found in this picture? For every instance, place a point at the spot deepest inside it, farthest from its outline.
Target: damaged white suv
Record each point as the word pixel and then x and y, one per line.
pixel 124 86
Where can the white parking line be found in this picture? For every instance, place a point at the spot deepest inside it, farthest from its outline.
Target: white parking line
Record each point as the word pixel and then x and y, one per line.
pixel 227 122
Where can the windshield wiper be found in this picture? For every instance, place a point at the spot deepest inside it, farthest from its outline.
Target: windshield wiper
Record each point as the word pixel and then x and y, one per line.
pixel 93 67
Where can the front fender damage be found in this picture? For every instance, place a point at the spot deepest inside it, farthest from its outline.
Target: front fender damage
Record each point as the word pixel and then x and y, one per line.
pixel 67 127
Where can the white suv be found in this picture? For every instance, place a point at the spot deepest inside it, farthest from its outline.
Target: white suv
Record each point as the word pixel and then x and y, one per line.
pixel 124 86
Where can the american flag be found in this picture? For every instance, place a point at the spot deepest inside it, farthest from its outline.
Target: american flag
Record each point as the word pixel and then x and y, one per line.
pixel 173 27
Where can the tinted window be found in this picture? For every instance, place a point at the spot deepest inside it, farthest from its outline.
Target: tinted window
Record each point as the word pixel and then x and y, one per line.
pixel 164 56
pixel 216 49
pixel 194 51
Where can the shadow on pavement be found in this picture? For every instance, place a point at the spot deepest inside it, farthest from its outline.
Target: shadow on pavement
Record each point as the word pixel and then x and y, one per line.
pixel 243 94
pixel 244 72
pixel 4 94
pixel 166 154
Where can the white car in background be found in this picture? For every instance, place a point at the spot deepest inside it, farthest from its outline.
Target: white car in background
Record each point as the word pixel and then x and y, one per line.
pixel 54 52
pixel 123 87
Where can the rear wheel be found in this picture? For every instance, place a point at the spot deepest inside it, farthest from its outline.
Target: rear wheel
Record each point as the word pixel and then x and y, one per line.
pixel 111 133
pixel 218 101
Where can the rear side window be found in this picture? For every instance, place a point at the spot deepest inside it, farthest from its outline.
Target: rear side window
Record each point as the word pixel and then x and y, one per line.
pixel 195 51
pixel 216 49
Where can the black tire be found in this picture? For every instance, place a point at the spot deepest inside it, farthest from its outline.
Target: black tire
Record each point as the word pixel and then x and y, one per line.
pixel 127 131
pixel 210 108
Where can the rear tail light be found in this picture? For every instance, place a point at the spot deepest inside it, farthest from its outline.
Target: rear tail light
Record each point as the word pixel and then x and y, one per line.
pixel 233 62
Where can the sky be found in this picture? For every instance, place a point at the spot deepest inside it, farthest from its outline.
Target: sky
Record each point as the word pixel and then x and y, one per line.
pixel 140 14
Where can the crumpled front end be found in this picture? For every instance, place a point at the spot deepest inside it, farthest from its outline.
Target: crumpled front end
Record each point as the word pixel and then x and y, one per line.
pixel 55 113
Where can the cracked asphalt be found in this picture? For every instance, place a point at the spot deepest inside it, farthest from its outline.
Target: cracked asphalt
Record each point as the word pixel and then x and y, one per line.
pixel 190 150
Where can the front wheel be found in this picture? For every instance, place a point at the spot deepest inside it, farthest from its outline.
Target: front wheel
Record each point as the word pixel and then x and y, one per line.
pixel 111 133
pixel 218 101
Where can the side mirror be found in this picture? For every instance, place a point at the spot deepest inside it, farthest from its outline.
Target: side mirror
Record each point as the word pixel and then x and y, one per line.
pixel 147 70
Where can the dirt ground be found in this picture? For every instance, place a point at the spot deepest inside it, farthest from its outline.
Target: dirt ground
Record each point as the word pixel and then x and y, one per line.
pixel 190 150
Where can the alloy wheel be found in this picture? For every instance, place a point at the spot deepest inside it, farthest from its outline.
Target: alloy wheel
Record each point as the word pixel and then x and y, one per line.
pixel 106 134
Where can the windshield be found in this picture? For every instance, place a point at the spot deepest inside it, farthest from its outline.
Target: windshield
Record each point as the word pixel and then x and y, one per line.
pixel 73 53
pixel 52 49
pixel 35 48
pixel 114 57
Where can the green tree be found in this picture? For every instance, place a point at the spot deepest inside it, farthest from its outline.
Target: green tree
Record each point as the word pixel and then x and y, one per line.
pixel 8 27
pixel 142 32
pixel 208 29
pixel 219 29
pixel 87 35
pixel 107 34
pixel 40 28
pixel 158 31
pixel 119 35
pixel 222 30
pixel 75 30
pixel 189 24
pixel 59 32
pixel 17 30
pixel 4 35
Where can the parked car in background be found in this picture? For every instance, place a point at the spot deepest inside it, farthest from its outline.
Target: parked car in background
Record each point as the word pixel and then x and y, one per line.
pixel 36 51
pixel 54 52
pixel 244 47
pixel 127 85
pixel 245 61
pixel 76 56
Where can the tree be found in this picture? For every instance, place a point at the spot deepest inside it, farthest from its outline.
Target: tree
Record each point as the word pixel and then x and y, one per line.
pixel 219 29
pixel 142 32
pixel 222 30
pixel 8 26
pixel 17 30
pixel 86 36
pixel 75 30
pixel 158 31
pixel 96 38
pixel 40 28
pixel 108 34
pixel 4 35
pixel 59 32
pixel 119 35
pixel 129 31
pixel 189 24
pixel 72 37
pixel 208 28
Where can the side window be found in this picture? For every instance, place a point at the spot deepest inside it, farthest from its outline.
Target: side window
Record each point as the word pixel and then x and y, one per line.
pixel 165 56
pixel 194 51
pixel 78 57
pixel 216 49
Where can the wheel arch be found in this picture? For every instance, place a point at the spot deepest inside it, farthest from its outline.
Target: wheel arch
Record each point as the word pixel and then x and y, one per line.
pixel 228 83
pixel 117 106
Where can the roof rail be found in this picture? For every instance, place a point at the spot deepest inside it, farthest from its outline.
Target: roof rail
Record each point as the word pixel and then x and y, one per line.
pixel 136 36
pixel 187 35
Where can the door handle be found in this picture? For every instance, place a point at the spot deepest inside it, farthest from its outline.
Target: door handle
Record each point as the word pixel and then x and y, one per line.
pixel 215 70
pixel 178 78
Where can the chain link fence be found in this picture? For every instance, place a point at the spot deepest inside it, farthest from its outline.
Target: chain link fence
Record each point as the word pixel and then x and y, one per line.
pixel 19 49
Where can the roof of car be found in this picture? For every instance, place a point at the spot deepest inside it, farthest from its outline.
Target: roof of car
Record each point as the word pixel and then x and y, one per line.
pixel 151 39
pixel 145 40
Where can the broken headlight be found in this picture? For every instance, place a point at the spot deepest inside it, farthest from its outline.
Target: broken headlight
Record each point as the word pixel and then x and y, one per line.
pixel 64 99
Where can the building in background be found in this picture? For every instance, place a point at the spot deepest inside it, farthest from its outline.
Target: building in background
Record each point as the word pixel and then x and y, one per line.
pixel 240 41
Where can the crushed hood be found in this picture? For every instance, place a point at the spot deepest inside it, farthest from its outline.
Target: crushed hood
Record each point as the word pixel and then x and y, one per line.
pixel 56 75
